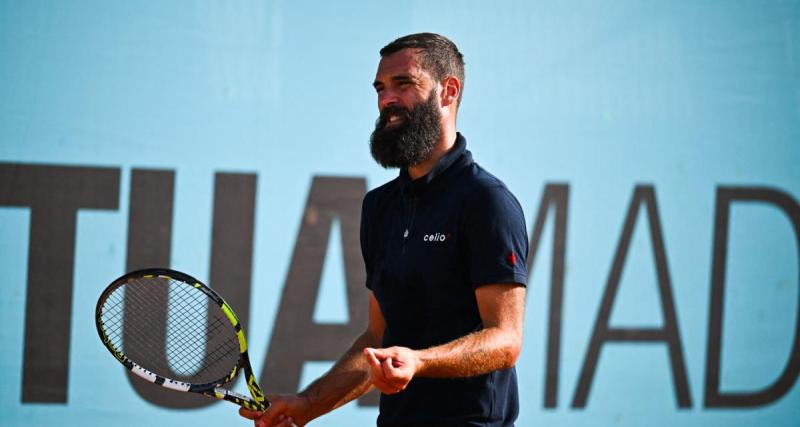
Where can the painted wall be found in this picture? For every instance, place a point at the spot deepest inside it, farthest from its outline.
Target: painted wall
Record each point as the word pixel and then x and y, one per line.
pixel 653 146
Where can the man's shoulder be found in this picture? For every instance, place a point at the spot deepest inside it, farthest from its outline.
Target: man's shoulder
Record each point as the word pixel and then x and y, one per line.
pixel 479 178
pixel 383 192
pixel 481 184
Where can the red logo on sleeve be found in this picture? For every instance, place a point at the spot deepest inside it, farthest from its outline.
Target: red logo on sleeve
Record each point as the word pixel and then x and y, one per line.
pixel 512 259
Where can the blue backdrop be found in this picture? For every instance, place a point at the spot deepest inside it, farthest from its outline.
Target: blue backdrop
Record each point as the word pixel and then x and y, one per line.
pixel 670 118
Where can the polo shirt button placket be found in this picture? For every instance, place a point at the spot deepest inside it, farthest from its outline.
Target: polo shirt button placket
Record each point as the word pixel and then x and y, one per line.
pixel 409 222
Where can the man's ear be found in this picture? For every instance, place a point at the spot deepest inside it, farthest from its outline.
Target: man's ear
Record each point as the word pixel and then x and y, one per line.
pixel 451 90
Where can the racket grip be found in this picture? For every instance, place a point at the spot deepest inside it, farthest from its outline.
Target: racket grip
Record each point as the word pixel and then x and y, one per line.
pixel 239 399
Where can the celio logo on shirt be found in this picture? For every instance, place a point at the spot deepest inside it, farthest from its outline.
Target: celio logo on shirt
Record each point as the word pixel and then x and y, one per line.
pixel 438 237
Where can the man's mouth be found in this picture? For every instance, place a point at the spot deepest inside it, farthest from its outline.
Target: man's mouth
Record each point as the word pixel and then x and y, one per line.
pixel 393 119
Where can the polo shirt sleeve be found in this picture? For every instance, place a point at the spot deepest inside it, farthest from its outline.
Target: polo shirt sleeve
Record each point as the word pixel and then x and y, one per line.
pixel 365 252
pixel 496 239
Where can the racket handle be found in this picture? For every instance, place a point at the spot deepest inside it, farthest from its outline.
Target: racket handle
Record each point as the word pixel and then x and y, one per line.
pixel 239 399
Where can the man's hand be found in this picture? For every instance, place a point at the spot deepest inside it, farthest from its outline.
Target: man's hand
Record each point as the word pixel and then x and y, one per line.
pixel 496 346
pixel 286 410
pixel 392 368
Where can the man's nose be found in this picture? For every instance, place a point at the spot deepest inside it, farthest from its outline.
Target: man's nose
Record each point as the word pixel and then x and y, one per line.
pixel 387 98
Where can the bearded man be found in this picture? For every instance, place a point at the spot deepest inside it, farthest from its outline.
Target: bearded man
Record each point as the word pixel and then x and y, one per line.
pixel 445 250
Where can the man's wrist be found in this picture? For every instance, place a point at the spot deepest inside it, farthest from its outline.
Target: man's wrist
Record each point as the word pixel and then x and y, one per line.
pixel 421 361
pixel 307 404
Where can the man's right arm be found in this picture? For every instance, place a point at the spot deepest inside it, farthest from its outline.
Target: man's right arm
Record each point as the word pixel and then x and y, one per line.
pixel 348 379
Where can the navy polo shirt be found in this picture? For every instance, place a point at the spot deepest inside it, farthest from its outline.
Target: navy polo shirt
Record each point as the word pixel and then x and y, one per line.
pixel 427 245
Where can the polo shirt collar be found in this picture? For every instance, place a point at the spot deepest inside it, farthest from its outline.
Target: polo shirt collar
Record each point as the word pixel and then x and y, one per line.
pixel 458 154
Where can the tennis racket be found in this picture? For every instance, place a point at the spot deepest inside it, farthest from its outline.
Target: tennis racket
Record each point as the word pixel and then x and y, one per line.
pixel 203 347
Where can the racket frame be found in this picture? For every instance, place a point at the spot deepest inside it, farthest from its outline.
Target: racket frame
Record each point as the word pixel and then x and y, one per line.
pixel 212 389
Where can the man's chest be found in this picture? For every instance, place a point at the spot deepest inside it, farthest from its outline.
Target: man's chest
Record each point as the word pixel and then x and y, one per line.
pixel 420 274
pixel 418 235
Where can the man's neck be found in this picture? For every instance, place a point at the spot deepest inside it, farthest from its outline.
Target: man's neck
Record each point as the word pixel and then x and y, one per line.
pixel 446 141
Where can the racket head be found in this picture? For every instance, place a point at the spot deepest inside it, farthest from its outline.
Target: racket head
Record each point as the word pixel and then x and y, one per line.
pixel 171 329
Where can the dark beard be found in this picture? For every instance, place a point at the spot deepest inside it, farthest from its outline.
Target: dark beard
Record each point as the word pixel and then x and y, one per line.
pixel 412 140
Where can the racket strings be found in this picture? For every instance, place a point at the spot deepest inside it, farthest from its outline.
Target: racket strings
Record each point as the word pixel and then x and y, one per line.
pixel 143 322
pixel 186 338
pixel 172 329
pixel 111 318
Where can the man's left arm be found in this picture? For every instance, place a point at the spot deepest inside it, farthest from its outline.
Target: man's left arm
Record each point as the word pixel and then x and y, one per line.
pixel 496 346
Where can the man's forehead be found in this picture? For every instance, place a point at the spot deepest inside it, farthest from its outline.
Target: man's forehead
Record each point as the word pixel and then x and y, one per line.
pixel 406 62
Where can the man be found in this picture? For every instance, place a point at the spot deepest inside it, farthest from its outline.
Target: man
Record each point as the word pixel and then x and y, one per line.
pixel 445 251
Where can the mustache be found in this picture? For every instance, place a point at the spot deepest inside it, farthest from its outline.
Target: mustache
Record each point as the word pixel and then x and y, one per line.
pixel 392 110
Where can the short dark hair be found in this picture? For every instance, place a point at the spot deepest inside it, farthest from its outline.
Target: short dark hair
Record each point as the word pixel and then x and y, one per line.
pixel 440 56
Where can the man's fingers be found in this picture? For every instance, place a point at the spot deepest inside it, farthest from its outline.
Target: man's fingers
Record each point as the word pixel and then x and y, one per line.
pixel 380 381
pixel 285 421
pixel 386 388
pixel 282 421
pixel 385 373
pixel 372 358
pixel 384 385
pixel 380 353
pixel 374 363
pixel 269 417
pixel 391 373
pixel 378 376
pixel 250 415
pixel 388 370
